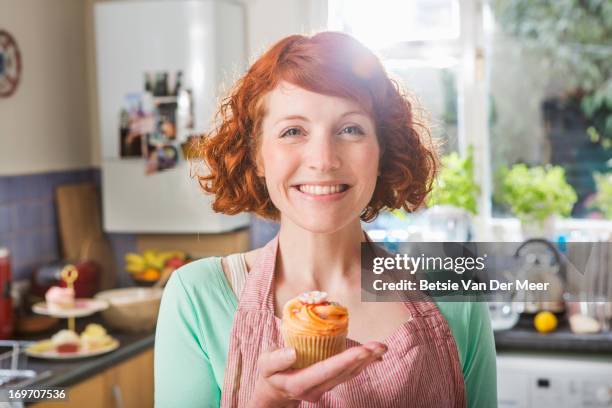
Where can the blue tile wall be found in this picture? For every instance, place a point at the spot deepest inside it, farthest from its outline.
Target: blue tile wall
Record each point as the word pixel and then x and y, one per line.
pixel 28 221
pixel 122 244
pixel 262 231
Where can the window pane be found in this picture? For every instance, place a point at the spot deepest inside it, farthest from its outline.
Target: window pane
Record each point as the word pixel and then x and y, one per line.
pixel 385 22
pixel 551 92
pixel 435 90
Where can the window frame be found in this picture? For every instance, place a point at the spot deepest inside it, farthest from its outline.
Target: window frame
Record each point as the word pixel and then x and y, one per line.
pixel 473 73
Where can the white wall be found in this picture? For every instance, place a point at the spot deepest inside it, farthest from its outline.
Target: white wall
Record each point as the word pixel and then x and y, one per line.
pixel 44 126
pixel 270 20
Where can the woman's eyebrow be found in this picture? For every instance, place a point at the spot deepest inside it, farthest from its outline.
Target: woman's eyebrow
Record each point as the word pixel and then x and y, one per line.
pixel 291 117
pixel 357 112
pixel 300 117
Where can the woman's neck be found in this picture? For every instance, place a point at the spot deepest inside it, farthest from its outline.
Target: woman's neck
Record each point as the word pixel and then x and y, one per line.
pixel 315 261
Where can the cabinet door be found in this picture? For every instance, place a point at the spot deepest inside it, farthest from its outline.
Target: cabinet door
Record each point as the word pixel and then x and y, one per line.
pixel 131 383
pixel 91 393
pixel 126 385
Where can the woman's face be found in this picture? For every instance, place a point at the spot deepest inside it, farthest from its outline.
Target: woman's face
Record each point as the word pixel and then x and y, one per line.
pixel 319 155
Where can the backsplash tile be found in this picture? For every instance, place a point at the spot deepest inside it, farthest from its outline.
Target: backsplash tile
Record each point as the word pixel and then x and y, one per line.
pixel 4 191
pixel 29 229
pixel 262 231
pixel 6 221
pixel 122 244
pixel 28 221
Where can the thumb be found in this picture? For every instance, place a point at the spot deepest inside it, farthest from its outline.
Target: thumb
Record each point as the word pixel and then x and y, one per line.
pixel 271 362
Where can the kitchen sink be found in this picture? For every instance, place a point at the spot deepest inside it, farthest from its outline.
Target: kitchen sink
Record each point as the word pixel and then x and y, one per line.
pixel 14 370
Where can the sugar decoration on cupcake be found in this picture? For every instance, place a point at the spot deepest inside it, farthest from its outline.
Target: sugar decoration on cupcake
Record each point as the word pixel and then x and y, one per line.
pixel 314 297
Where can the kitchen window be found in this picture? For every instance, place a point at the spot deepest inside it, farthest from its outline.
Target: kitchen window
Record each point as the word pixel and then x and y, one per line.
pixel 485 81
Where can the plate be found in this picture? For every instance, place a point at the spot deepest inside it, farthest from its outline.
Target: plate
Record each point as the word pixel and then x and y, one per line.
pixel 54 355
pixel 82 307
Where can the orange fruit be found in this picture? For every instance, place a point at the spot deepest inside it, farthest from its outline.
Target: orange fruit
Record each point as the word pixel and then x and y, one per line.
pixel 149 274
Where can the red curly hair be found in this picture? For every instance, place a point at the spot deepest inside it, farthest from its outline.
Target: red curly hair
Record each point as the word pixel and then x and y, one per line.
pixel 329 63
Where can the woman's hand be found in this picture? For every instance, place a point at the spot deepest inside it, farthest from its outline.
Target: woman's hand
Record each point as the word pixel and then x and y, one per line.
pixel 280 386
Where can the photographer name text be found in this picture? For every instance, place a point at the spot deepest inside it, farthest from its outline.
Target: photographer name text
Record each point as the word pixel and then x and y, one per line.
pixel 491 285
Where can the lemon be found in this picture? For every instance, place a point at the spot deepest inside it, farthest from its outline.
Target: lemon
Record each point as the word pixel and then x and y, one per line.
pixel 545 322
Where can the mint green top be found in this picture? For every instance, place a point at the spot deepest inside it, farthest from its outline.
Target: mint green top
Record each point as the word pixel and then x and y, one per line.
pixel 195 320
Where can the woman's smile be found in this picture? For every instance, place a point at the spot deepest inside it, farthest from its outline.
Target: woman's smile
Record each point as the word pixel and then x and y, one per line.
pixel 322 192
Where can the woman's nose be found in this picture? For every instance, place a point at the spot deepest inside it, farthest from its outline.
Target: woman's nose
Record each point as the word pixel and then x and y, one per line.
pixel 322 154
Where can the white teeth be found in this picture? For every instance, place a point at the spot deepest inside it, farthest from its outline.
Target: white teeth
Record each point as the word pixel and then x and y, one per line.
pixel 320 190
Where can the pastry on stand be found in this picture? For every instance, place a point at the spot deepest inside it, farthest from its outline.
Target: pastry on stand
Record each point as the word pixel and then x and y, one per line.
pixel 60 302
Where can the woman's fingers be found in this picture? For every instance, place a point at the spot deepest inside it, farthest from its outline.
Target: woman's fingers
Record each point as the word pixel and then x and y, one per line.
pixel 311 382
pixel 334 366
pixel 272 362
pixel 301 383
pixel 376 354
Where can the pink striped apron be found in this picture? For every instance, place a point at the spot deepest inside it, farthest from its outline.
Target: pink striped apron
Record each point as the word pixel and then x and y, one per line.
pixel 420 369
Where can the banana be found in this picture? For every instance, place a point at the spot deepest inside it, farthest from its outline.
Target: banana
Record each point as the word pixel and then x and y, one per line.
pixel 134 263
pixel 167 255
pixel 132 257
pixel 152 259
pixel 134 268
pixel 164 256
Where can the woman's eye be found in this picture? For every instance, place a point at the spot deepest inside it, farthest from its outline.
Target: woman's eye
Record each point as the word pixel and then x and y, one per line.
pixel 292 132
pixel 353 130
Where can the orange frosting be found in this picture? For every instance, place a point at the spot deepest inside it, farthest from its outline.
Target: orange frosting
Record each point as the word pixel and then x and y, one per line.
pixel 320 319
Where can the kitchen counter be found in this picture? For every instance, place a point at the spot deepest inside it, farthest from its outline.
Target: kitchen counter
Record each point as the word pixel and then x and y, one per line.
pixel 64 373
pixel 523 337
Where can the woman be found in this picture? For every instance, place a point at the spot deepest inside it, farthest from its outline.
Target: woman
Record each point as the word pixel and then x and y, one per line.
pixel 317 137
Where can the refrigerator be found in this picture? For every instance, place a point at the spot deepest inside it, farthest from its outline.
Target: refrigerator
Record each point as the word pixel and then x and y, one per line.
pixel 161 68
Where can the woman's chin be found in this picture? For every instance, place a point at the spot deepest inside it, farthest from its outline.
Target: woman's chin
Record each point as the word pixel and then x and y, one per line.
pixel 322 223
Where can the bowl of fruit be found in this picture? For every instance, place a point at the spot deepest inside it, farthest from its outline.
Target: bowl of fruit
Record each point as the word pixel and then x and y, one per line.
pixel 153 267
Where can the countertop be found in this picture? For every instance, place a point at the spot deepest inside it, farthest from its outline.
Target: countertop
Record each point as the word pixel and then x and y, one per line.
pixel 523 337
pixel 63 373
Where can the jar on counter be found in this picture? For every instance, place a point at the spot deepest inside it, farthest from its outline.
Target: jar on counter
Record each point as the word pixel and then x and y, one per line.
pixel 6 302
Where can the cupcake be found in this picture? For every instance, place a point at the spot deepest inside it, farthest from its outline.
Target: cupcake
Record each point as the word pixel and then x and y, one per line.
pixel 315 327
pixel 94 337
pixel 66 341
pixel 59 299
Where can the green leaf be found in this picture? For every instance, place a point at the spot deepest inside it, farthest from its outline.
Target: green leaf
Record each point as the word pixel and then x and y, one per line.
pixel 455 184
pixel 538 192
pixel 603 198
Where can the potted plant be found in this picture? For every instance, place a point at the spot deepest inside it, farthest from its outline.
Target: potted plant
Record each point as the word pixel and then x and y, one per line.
pixel 455 185
pixel 603 199
pixel 454 197
pixel 536 195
